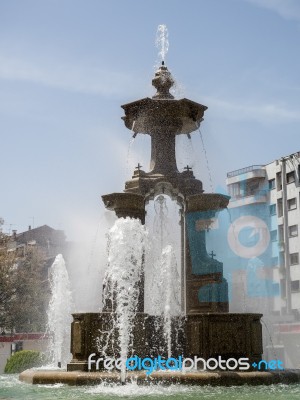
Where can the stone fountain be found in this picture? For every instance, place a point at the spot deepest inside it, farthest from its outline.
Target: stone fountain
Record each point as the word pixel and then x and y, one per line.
pixel 208 330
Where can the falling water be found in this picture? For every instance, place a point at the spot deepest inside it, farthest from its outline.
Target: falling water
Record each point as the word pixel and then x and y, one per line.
pixel 59 313
pixel 161 231
pixel 169 287
pixel 207 163
pixel 268 326
pixel 128 169
pixel 127 245
pixel 162 42
pixel 164 280
pixel 232 225
pixel 186 154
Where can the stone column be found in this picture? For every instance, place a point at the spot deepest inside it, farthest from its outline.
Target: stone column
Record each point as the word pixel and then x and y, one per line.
pixel 163 157
pixel 206 289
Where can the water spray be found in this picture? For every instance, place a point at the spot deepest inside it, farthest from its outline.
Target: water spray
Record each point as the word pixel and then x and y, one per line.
pixel 162 42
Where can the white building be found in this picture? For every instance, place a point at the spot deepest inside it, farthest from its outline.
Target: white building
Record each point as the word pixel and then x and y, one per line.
pixel 10 343
pixel 274 189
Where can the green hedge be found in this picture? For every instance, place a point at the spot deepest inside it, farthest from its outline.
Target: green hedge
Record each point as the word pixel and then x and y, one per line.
pixel 22 360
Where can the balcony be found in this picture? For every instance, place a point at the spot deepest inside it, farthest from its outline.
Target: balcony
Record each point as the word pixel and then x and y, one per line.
pixel 243 174
pixel 243 200
pixel 244 170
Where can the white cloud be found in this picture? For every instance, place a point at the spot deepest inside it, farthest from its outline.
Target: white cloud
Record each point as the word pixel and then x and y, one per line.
pixel 288 9
pixel 75 78
pixel 263 112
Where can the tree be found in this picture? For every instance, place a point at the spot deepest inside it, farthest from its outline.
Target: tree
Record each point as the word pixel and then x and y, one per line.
pixel 7 278
pixel 24 290
pixel 28 307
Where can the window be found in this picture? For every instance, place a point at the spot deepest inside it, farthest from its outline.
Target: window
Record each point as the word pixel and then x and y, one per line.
pixel 16 346
pixel 283 287
pixel 290 177
pixel 273 209
pixel 280 233
pixel 281 259
pixel 272 184
pixel 293 230
pixel 273 235
pixel 276 313
pixel 295 286
pixel 294 258
pixel 274 261
pixel 235 190
pixel 280 208
pixel 278 181
pixel 251 187
pixel 292 204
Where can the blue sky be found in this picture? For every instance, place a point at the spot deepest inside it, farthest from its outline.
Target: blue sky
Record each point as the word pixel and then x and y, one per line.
pixel 66 66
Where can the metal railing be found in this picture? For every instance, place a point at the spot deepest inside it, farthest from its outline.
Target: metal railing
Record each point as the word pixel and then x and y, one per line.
pixel 257 194
pixel 244 170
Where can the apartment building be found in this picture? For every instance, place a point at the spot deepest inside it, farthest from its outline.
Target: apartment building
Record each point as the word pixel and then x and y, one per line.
pixel 272 192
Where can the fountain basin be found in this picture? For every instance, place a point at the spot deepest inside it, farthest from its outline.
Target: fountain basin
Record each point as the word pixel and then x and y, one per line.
pixel 206 335
pixel 207 202
pixel 148 115
pixel 126 205
pixel 42 377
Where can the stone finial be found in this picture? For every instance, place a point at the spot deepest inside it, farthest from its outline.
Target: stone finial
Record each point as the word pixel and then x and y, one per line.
pixel 162 82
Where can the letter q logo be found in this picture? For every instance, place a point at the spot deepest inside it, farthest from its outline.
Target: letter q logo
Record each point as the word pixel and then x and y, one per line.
pixel 258 227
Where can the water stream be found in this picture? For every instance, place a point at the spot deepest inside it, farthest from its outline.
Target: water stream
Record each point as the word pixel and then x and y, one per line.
pixel 169 282
pixel 127 243
pixel 129 167
pixel 162 279
pixel 162 42
pixel 59 313
pixel 207 163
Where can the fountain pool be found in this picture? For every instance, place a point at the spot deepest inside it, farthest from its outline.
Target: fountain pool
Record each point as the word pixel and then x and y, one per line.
pixel 12 389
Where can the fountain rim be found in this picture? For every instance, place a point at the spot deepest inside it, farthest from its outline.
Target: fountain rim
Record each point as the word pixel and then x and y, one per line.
pixel 204 378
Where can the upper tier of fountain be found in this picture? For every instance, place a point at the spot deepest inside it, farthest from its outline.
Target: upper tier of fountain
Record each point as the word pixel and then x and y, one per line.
pixel 162 112
pixel 163 117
